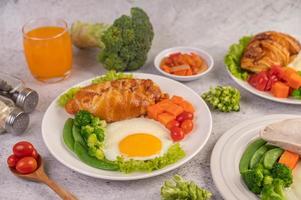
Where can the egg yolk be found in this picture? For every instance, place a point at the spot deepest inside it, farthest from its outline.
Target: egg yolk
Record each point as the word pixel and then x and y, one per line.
pixel 140 145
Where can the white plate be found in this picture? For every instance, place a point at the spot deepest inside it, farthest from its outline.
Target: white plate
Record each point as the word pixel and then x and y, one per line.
pixel 54 118
pixel 203 54
pixel 266 95
pixel 228 151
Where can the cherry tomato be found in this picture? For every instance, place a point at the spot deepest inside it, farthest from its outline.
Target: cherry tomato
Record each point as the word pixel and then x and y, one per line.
pixel 23 148
pixel 176 133
pixel 259 81
pixel 276 71
pixel 172 124
pixel 187 126
pixel 35 154
pixel 26 165
pixel 183 116
pixel 12 160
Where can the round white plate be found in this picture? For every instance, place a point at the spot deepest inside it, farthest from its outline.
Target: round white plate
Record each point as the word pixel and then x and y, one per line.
pixel 266 95
pixel 55 117
pixel 228 151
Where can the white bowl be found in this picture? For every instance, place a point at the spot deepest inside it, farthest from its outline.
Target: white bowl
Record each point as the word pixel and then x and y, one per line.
pixel 203 54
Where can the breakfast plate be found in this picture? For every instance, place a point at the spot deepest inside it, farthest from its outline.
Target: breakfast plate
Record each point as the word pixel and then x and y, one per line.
pixel 228 151
pixel 245 85
pixel 55 116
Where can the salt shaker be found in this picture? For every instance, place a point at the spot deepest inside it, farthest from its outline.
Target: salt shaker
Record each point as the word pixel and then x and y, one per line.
pixel 13 88
pixel 12 118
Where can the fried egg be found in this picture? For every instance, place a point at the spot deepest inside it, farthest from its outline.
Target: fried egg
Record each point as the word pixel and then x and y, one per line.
pixel 137 138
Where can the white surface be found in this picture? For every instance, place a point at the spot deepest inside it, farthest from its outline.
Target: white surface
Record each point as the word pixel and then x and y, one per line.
pixel 263 94
pixel 212 25
pixel 227 154
pixel 203 54
pixel 55 117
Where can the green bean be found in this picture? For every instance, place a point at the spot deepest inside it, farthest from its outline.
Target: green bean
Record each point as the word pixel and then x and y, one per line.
pixel 67 134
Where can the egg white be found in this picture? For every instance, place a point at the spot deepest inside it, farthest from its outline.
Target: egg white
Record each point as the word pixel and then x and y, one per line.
pixel 117 131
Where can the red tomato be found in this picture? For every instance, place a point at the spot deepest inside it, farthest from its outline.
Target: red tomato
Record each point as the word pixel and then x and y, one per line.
pixel 187 126
pixel 172 124
pixel 12 160
pixel 259 81
pixel 26 165
pixel 183 116
pixel 23 148
pixel 35 154
pixel 276 71
pixel 176 133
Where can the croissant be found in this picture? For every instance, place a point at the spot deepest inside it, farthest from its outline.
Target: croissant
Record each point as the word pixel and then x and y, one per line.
pixel 267 49
pixel 116 100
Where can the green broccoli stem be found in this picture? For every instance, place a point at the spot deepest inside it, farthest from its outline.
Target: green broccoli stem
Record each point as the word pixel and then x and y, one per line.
pixel 86 35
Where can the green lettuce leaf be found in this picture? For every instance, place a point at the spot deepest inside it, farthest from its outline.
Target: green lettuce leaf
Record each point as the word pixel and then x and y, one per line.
pixel 174 153
pixel 111 76
pixel 180 189
pixel 64 98
pixel 232 58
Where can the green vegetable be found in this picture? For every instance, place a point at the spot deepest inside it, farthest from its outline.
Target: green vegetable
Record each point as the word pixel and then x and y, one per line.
pixel 82 118
pixel 257 156
pixel 284 173
pixel 180 189
pixel 232 58
pixel 174 153
pixel 267 180
pixel 67 134
pixel 77 136
pixel 111 76
pixel 273 191
pixel 253 178
pixel 83 155
pixel 248 154
pixel 223 98
pixel 124 44
pixel 296 93
pixel 63 99
pixel 271 157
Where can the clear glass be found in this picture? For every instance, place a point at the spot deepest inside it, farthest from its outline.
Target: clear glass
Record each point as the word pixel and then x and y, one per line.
pixel 48 49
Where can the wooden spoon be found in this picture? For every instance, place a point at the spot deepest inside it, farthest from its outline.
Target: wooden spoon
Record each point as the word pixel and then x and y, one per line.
pixel 39 175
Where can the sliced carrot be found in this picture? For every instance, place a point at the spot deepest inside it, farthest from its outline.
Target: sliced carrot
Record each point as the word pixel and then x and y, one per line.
pixel 188 107
pixel 280 90
pixel 166 68
pixel 165 118
pixel 153 111
pixel 180 73
pixel 287 72
pixel 294 81
pixel 171 108
pixel 177 100
pixel 289 159
pixel 188 72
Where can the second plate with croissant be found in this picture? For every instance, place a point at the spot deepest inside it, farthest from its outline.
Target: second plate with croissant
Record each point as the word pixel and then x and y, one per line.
pixel 267 64
pixel 132 126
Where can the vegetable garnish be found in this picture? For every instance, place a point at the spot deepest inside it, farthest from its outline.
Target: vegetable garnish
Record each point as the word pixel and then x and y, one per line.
pixel 223 98
pixel 183 64
pixel 232 58
pixel 109 76
pixel 24 158
pixel 180 189
pixel 124 44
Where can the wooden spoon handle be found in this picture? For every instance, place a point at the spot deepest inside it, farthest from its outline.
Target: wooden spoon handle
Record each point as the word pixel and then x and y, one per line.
pixel 64 194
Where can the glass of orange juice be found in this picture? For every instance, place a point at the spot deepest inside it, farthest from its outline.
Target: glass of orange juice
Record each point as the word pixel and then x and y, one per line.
pixel 48 49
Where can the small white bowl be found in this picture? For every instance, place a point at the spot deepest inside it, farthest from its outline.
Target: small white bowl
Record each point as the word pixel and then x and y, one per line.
pixel 203 54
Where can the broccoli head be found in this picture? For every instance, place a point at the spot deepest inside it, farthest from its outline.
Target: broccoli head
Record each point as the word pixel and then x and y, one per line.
pixel 82 118
pixel 253 178
pixel 86 131
pixel 280 171
pixel 96 152
pixel 124 44
pixel 273 191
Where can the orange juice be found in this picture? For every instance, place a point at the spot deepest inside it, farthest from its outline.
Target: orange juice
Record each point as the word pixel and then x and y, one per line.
pixel 48 52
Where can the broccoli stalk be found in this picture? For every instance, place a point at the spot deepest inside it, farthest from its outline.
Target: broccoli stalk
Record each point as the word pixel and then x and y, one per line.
pixel 124 44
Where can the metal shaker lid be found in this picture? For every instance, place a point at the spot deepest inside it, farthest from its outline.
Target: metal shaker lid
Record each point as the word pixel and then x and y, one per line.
pixel 17 121
pixel 27 99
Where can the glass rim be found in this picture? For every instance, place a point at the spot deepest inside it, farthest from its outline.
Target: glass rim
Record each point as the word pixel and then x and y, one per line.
pixel 46 38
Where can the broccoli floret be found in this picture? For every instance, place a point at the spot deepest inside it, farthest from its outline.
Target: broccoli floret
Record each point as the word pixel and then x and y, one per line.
pixel 274 191
pixel 253 178
pixel 92 141
pixel 82 118
pixel 87 130
pixel 267 180
pixel 97 122
pixel 124 44
pixel 96 152
pixel 99 133
pixel 282 172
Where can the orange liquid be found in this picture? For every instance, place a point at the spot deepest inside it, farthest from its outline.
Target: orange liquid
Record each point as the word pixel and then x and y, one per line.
pixel 48 52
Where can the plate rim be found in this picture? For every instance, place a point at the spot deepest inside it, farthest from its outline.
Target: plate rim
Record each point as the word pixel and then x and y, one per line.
pixel 215 155
pixel 140 176
pixel 264 96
